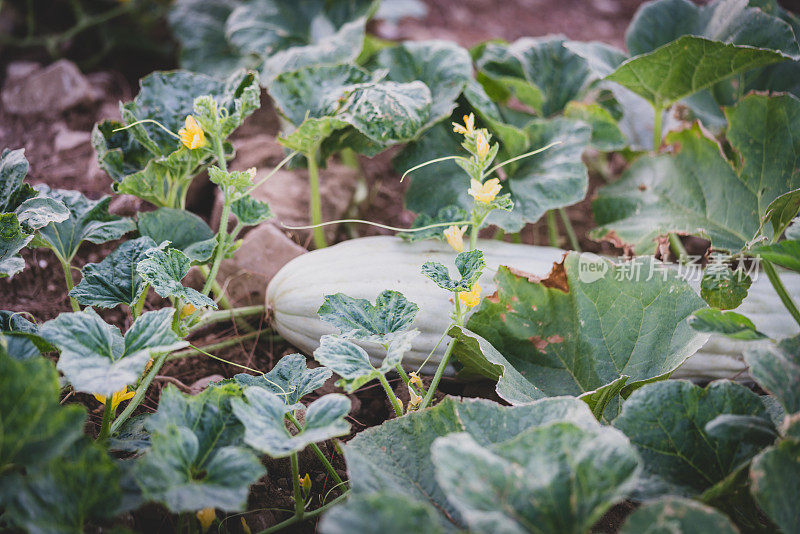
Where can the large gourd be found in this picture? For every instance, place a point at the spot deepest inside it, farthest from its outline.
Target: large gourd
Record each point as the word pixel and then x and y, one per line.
pixel 366 266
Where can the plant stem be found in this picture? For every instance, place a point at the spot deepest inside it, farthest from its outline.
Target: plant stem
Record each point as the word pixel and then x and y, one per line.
pixel 677 248
pixel 219 251
pixel 659 112
pixel 573 237
pixel 138 306
pixel 315 202
pixel 108 415
pixel 308 515
pixel 141 390
pixel 215 346
pixel 299 503
pixel 70 283
pixel 437 376
pixel 473 235
pixel 398 408
pixel 552 228
pixel 229 314
pixel 780 289
pixel 318 452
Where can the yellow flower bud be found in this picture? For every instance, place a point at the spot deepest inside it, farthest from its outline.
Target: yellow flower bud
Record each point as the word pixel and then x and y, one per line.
pixel 206 516
pixel 415 379
pixel 305 483
pixel 187 310
pixel 481 146
pixel 118 397
pixel 455 237
pixel 245 528
pixel 191 135
pixel 484 192
pixel 471 298
pixel 415 400
pixel 469 125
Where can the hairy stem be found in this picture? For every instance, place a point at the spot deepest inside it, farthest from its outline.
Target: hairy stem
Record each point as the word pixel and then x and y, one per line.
pixel 108 415
pixel 141 390
pixel 307 515
pixel 70 283
pixel 138 306
pixel 398 408
pixel 231 314
pixel 299 502
pixel 780 289
pixel 437 377
pixel 677 248
pixel 573 237
pixel 315 202
pixel 552 228
pixel 328 467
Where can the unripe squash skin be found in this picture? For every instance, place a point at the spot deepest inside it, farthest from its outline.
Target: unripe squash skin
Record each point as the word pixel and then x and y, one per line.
pixel 366 266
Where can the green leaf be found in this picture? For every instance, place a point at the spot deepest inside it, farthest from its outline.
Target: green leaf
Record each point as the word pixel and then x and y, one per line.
pixel 500 488
pixel 360 319
pixel 250 211
pixel 725 323
pixel 36 428
pixel 289 36
pixel 13 170
pixel 88 220
pixel 196 460
pixel 542 73
pixel 782 211
pixel 21 336
pixel 234 184
pixel 375 114
pixel 589 323
pixel 601 58
pixel 444 67
pixel 686 66
pixel 601 398
pixel 184 230
pixel 469 265
pixel 164 270
pixel 97 359
pixel 665 421
pixel 786 254
pixel 724 288
pixel 352 363
pixel 445 215
pixel 679 515
pixel 776 368
pixel 380 512
pixel 606 135
pixel 81 485
pixel 663 194
pixel 775 483
pixel 264 420
pixel 290 379
pixel 404 443
pixel 114 280
pixel 750 429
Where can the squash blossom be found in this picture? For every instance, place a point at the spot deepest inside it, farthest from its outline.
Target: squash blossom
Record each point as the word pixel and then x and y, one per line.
pixel 481 146
pixel 119 396
pixel 469 125
pixel 206 516
pixel 192 136
pixel 471 298
pixel 484 192
pixel 415 400
pixel 187 310
pixel 305 483
pixel 415 379
pixel 455 237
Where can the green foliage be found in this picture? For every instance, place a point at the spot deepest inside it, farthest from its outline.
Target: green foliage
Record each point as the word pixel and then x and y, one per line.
pixel 183 230
pixel 447 214
pixel 469 265
pixel 264 420
pixel 380 512
pixel 96 358
pixel 677 514
pixel 290 379
pixel 776 368
pixel 724 288
pixel 21 337
pixel 727 323
pixel 250 211
pixel 775 483
pixel 163 269
pixel 359 319
pixel 786 254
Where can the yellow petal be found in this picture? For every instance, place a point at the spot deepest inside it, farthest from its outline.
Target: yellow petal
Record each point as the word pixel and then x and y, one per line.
pixel 187 310
pixel 481 146
pixel 455 237
pixel 206 516
pixel 471 298
pixel 415 379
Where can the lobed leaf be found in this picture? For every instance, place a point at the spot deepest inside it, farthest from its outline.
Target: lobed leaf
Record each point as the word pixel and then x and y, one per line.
pixel 184 230
pixel 776 368
pixel 679 515
pixel 164 270
pixel 290 379
pixel 469 265
pixel 360 319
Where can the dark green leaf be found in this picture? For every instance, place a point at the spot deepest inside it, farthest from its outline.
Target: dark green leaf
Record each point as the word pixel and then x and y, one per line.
pixel 184 230
pixel 726 323
pixel 164 270
pixel 447 214
pixel 290 379
pixel 250 211
pixel 469 265
pixel 679 516
pixel 750 429
pixel 21 336
pixel 114 280
pixel 782 211
pixel 724 288
pixel 383 512
pixel 775 483
pixel 786 254
pixel 360 319
pixel 606 135
pixel 776 368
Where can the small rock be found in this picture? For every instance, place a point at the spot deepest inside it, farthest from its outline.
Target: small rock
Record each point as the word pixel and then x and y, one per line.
pixel 68 139
pixel 203 383
pixel 51 90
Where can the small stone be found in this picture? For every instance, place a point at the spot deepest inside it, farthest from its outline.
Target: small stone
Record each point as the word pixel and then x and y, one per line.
pixel 203 383
pixel 51 90
pixel 68 139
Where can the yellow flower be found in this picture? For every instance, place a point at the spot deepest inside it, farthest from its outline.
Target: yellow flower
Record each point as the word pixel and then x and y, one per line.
pixel 481 146
pixel 245 528
pixel 455 237
pixel 305 483
pixel 415 400
pixel 206 516
pixel 484 192
pixel 471 298
pixel 187 310
pixel 469 125
pixel 192 136
pixel 119 396
pixel 415 379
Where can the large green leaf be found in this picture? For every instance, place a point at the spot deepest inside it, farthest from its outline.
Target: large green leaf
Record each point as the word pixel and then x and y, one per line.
pixel 79 486
pixel 264 420
pixel 685 66
pixel 362 320
pixel 288 35
pixel 321 100
pixel 444 67
pixel 386 513
pixel 196 460
pixel 589 323
pixel 35 427
pixel 677 515
pixel 554 479
pixel 290 379
pixel 164 269
pixel 183 229
pixel 776 368
pixel 666 422
pixel 696 191
pixel 97 359
pixel 89 220
pixel 405 443
pixel 114 280
pixel 775 483
pixel 540 72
